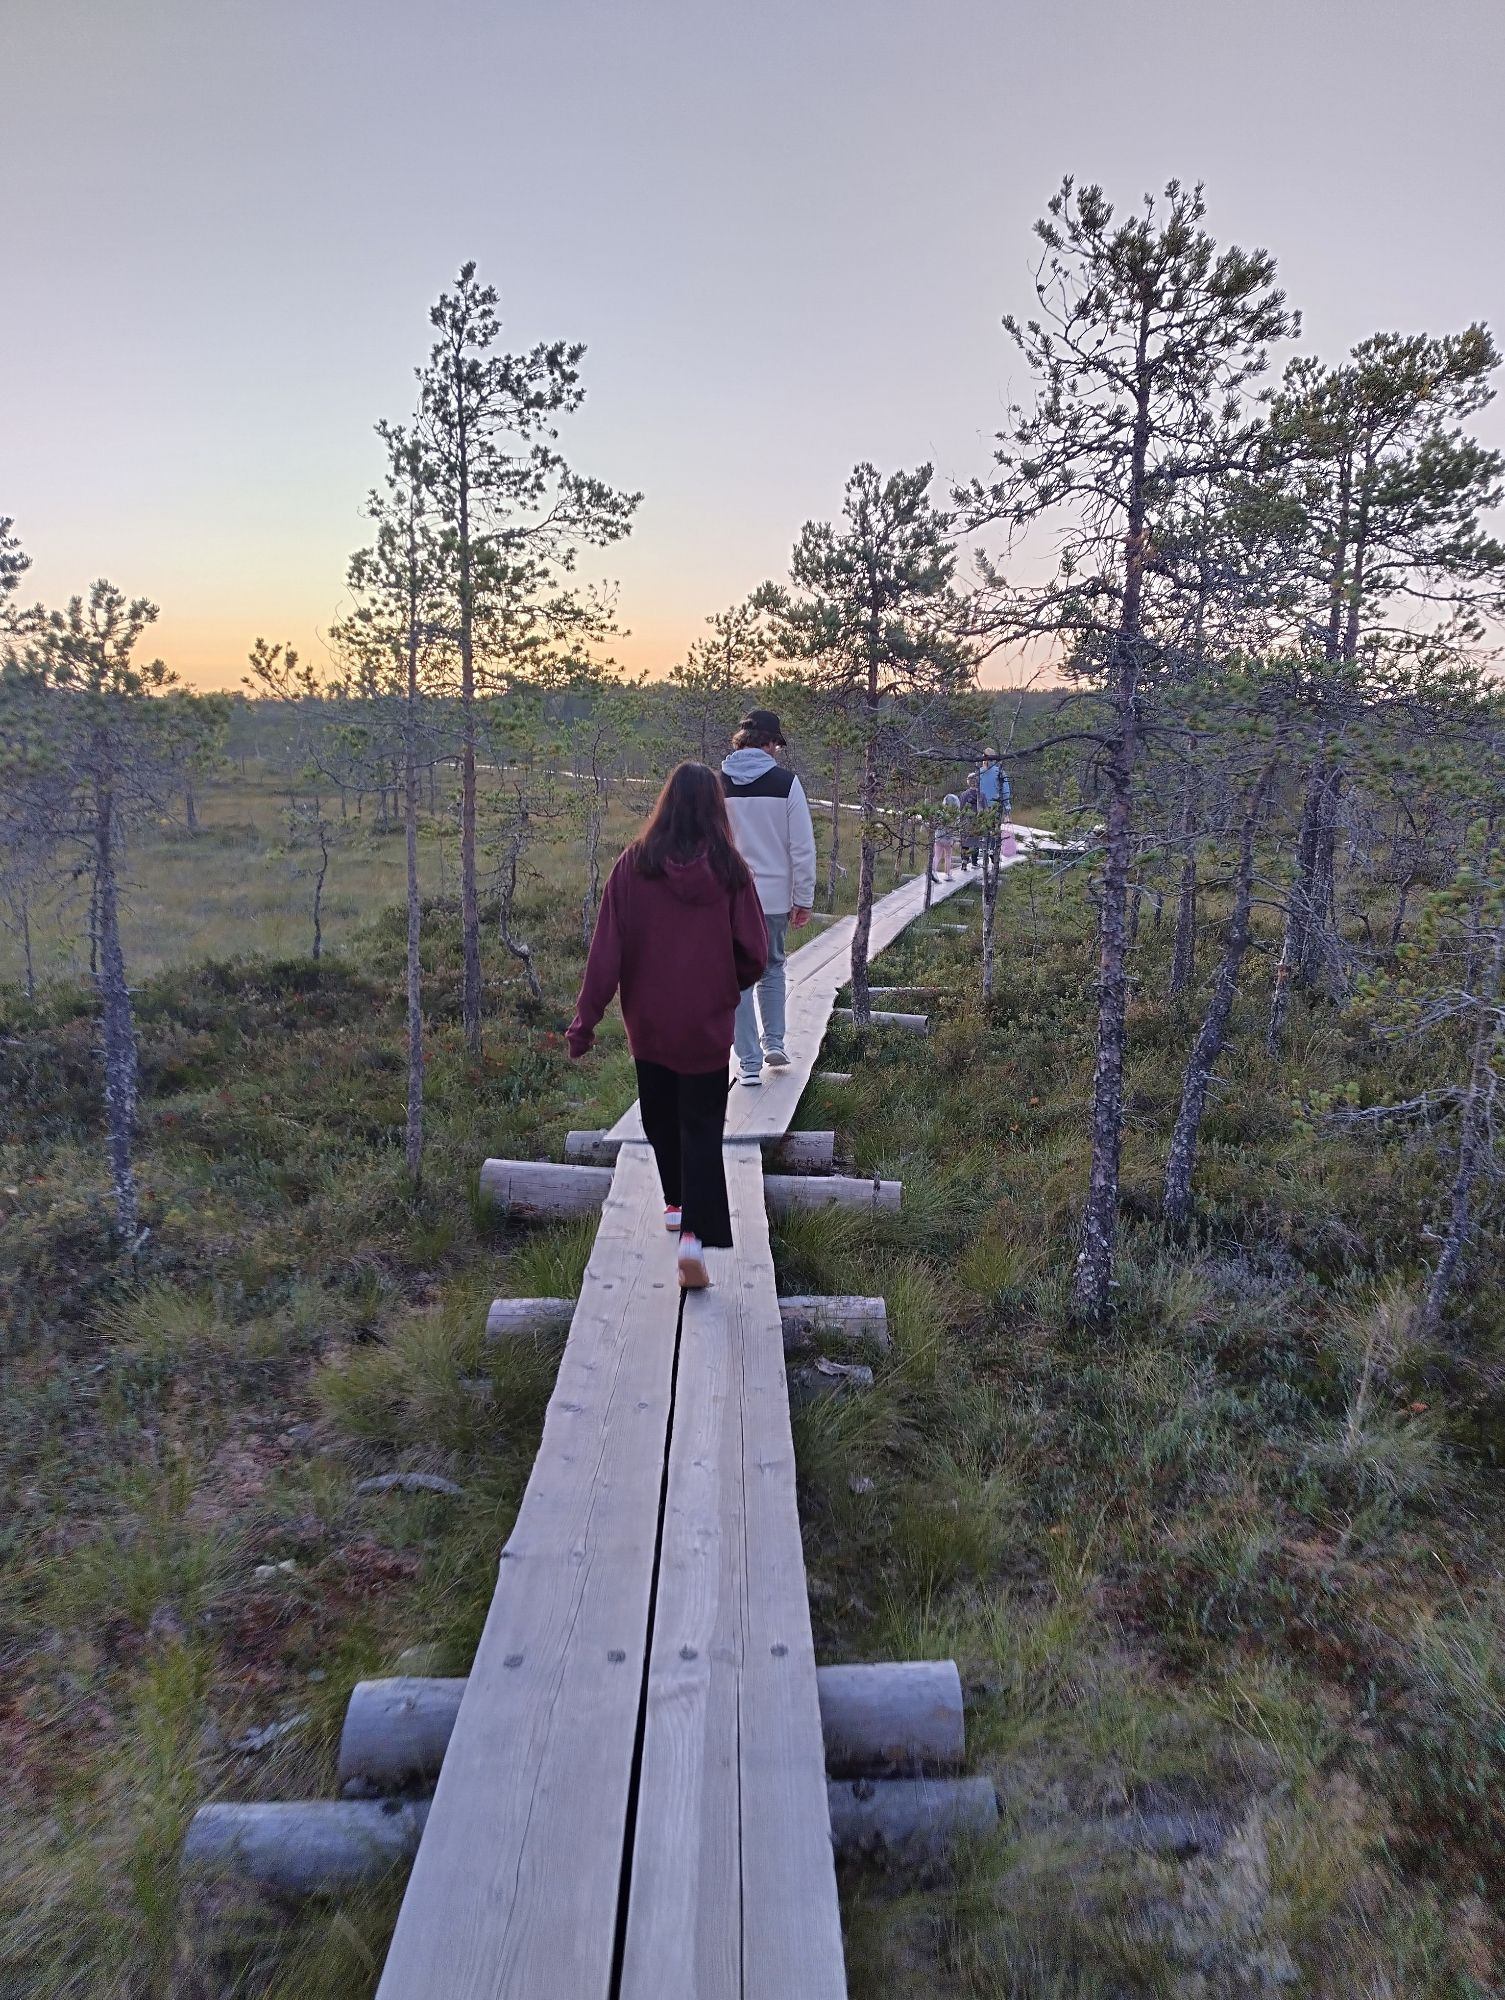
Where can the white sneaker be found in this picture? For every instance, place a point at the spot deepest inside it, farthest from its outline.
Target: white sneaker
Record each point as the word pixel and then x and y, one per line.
pixel 673 1220
pixel 751 1077
pixel 693 1275
pixel 776 1059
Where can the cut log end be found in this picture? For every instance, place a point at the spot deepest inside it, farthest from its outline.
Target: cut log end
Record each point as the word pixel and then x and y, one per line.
pixel 914 1024
pixel 543 1190
pixel 307 1847
pixel 894 1717
pixel 538 1318
pixel 811 1320
pixel 909 1818
pixel 787 1191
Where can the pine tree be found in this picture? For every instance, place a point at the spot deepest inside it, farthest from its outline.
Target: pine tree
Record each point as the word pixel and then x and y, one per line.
pixel 391 638
pixel 80 730
pixel 1381 495
pixel 1147 339
pixel 511 516
pixel 874 618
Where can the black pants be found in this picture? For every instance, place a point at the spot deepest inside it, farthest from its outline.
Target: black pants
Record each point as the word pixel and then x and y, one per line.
pixel 684 1118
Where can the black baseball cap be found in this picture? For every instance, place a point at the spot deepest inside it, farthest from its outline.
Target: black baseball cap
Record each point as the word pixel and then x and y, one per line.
pixel 762 722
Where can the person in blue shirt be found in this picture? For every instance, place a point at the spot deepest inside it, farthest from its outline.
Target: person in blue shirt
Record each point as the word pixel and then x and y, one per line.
pixel 993 784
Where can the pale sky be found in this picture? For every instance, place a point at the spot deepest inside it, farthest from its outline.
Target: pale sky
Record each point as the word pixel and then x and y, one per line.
pixel 786 231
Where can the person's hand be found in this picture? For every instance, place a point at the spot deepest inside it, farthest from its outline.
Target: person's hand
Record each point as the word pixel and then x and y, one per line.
pixel 798 918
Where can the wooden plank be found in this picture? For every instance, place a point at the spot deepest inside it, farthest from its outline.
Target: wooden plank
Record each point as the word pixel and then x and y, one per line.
pixel 733 1884
pixel 514 1892
pixel 791 1923
pixel 684 1913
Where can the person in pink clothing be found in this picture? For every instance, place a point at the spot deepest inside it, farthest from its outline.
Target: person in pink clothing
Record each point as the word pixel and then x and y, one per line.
pixel 680 936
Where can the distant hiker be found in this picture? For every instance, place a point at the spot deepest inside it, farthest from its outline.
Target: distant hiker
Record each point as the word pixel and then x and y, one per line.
pixel 680 934
pixel 971 807
pixel 993 783
pixel 947 826
pixel 774 834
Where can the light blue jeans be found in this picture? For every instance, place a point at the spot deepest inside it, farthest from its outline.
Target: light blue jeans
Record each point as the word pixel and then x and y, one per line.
pixel 769 1002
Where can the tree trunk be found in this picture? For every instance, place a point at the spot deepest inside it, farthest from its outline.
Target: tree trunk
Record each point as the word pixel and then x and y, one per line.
pixel 121 1062
pixel 470 901
pixel 323 839
pixel 413 1134
pixel 190 807
pixel 592 869
pixel 833 866
pixel 1316 958
pixel 1094 1265
pixel 520 949
pixel 1213 1035
pixel 1398 925
pixel 31 977
pixel 867 870
pixel 1093 1284
pixel 1298 907
pixel 1184 952
pixel 992 870
pixel 1475 1138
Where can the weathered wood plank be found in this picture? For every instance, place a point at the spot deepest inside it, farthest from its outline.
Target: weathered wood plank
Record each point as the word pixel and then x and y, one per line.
pixel 514 1892
pixel 791 1924
pixel 684 1913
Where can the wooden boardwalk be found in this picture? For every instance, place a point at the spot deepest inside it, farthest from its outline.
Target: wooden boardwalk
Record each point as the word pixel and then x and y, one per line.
pixel 633 1803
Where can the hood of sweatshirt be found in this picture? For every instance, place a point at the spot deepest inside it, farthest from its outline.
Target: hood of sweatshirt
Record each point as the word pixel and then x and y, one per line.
pixel 742 766
pixel 694 881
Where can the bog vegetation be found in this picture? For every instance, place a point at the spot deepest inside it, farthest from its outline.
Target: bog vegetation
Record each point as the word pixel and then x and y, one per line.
pixel 1189 1446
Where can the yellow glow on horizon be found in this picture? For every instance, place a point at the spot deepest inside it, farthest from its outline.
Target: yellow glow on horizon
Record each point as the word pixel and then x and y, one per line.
pixel 208 652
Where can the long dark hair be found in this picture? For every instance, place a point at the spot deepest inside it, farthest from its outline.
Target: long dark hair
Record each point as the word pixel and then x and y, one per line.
pixel 688 819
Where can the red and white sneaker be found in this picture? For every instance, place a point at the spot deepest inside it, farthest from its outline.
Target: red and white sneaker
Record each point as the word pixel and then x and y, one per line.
pixel 673 1220
pixel 693 1274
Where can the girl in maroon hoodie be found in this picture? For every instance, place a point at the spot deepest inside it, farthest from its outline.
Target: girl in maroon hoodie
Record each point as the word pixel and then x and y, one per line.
pixel 681 936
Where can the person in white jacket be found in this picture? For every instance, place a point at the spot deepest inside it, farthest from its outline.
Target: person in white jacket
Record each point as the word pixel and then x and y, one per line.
pixel 771 823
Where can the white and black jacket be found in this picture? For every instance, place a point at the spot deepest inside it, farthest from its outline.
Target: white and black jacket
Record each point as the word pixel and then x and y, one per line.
pixel 774 833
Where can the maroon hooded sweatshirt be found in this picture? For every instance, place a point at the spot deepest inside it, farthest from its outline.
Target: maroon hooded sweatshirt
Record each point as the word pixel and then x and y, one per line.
pixel 681 948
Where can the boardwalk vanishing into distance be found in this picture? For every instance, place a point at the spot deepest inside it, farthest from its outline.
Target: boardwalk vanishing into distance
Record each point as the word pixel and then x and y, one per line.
pixel 632 1799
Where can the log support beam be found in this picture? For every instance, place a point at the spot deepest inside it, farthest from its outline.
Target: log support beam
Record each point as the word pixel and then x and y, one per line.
pixel 914 1024
pixel 307 1847
pixel 901 1716
pixel 798 1151
pixel 545 1191
pixel 907 1819
pixel 809 1320
pixel 313 1847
